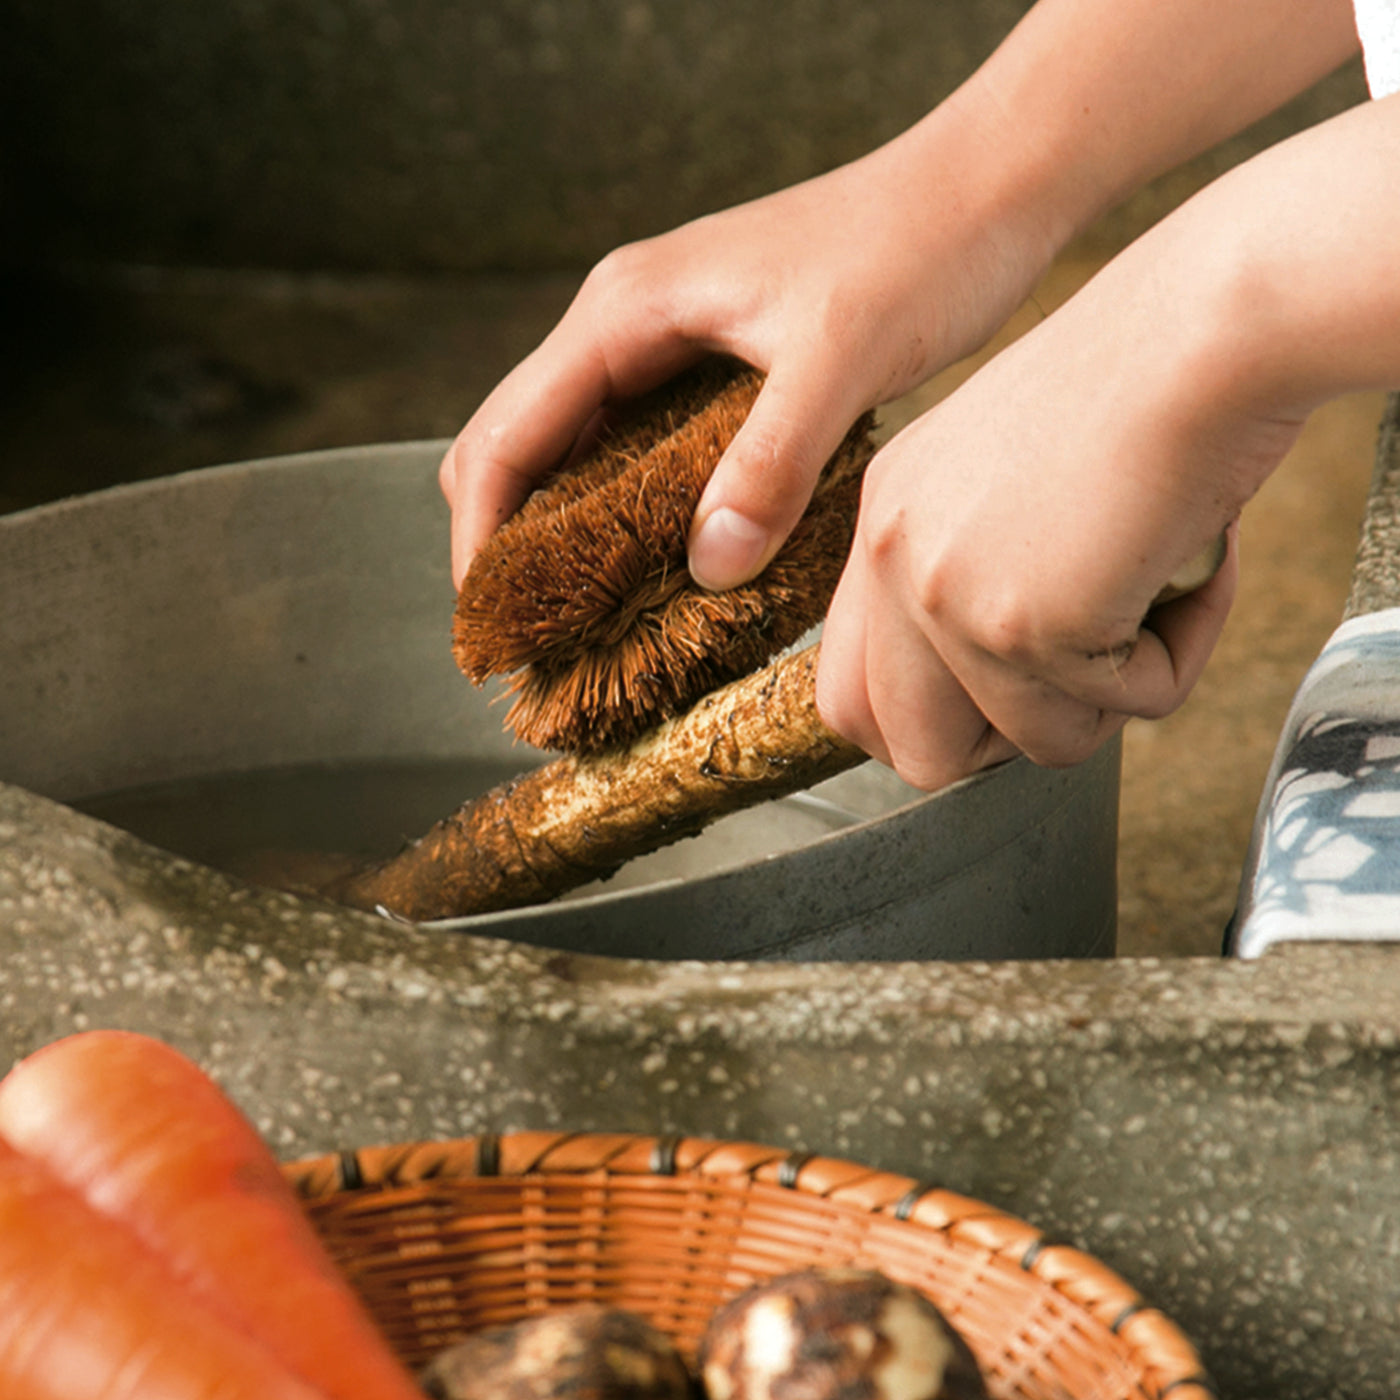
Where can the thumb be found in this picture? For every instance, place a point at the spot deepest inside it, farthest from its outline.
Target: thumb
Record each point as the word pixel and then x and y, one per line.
pixel 765 478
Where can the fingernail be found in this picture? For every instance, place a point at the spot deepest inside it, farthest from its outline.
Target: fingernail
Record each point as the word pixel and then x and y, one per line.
pixel 726 549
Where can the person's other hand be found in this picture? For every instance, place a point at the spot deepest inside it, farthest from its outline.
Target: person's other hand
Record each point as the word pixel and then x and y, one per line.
pixel 1011 542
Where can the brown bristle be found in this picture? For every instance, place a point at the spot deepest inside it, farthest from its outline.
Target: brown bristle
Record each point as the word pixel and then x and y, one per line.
pixel 584 600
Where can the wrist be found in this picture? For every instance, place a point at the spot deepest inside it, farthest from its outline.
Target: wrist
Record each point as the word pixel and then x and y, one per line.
pixel 1291 261
pixel 1041 188
pixel 1168 357
pixel 970 173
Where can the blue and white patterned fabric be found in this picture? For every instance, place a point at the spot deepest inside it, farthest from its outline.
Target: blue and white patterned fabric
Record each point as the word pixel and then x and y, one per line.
pixel 1325 859
pixel 1324 862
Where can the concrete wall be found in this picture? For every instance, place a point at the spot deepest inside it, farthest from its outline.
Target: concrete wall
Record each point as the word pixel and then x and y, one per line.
pixel 459 136
pixel 1221 1133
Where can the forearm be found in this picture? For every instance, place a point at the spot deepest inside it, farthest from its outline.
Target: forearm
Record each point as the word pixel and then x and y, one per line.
pixel 1319 277
pixel 1088 100
pixel 1279 286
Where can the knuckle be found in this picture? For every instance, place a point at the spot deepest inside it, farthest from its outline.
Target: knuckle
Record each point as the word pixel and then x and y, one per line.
pixel 477 472
pixel 768 476
pixel 1036 635
pixel 922 774
pixel 1061 751
pixel 1015 630
pixel 1158 705
pixel 487 440
pixel 484 447
pixel 936 582
pixel 840 315
pixel 470 445
pixel 618 278
pixel 1074 739
pixel 882 529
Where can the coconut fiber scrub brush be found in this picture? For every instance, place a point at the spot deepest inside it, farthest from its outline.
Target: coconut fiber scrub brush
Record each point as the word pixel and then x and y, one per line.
pixel 649 684
pixel 584 601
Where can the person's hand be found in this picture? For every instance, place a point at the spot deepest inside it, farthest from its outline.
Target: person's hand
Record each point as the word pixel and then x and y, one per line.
pixel 847 291
pixel 1011 542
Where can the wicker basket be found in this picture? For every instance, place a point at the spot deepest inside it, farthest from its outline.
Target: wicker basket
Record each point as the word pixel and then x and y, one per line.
pixel 441 1238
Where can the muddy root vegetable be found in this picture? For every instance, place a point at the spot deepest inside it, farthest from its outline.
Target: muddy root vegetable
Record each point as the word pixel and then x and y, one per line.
pixel 581 817
pixel 583 1353
pixel 148 1140
pixel 835 1334
pixel 87 1312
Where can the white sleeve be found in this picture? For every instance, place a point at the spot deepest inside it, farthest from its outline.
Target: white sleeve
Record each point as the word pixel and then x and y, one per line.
pixel 1378 26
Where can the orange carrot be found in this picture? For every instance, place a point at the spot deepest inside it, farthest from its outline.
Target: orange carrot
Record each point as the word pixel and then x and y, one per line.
pixel 146 1138
pixel 87 1312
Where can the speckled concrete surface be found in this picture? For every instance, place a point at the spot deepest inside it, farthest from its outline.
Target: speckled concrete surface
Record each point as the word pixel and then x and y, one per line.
pixel 1221 1133
pixel 1375 579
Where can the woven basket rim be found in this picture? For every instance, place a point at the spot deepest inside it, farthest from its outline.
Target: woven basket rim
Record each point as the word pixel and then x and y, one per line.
pixel 1166 1355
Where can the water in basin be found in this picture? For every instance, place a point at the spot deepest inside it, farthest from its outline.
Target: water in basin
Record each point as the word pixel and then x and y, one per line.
pixel 285 825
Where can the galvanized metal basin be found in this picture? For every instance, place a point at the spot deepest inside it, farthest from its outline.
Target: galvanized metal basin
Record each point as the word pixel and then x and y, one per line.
pixel 296 612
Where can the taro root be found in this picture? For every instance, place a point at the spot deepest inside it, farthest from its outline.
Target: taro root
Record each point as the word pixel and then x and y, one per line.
pixel 581 1353
pixel 835 1334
